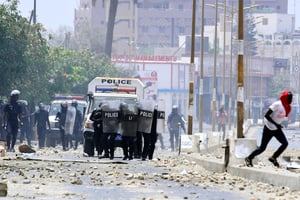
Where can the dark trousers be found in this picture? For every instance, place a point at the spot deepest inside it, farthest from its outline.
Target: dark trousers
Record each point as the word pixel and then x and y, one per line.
pixel 63 138
pixel 153 139
pixel 41 136
pixel 174 137
pixel 25 132
pixel 77 138
pixel 128 146
pixel 138 144
pixel 11 137
pixel 98 140
pixel 266 137
pixel 109 144
pixel 146 148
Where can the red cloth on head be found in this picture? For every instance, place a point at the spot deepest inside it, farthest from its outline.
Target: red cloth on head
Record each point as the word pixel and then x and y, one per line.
pixel 285 102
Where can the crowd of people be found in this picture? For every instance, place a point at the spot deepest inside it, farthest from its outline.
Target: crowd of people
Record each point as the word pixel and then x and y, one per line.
pixel 17 118
pixel 139 131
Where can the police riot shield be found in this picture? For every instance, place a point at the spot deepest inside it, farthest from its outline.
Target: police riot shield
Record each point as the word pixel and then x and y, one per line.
pixel 70 120
pixel 129 117
pixel 110 116
pixel 160 106
pixel 146 109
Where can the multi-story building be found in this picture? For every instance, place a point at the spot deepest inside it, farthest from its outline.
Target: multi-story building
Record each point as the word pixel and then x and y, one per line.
pixel 150 26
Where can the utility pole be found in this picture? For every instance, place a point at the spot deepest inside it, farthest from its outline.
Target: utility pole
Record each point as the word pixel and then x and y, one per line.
pixel 240 78
pixel 34 12
pixel 201 71
pixel 224 52
pixel 191 78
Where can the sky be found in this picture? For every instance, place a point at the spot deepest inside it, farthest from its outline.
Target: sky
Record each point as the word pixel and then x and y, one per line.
pixel 56 13
pixel 51 13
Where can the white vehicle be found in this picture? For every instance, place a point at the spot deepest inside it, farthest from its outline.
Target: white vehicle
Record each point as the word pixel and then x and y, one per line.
pixel 54 136
pixel 103 89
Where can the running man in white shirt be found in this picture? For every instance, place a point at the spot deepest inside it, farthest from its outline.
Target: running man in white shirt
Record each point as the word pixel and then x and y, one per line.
pixel 272 128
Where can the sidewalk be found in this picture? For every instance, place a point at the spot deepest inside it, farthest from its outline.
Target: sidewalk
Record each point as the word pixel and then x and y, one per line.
pixel 263 171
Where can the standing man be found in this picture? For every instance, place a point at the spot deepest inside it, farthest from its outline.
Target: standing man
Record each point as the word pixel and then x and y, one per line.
pixel 89 145
pixel 174 122
pixel 61 117
pixel 222 117
pixel 129 114
pixel 11 121
pixel 272 128
pixel 25 129
pixel 41 119
pixel 77 124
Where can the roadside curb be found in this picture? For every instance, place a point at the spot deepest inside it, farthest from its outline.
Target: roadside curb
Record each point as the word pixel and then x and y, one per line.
pixel 278 177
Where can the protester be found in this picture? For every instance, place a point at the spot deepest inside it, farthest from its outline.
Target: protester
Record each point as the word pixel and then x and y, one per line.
pixel 273 128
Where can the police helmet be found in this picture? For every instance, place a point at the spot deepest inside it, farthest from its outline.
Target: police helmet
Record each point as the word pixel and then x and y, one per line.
pixel 174 108
pixel 64 104
pixel 41 105
pixel 23 102
pixel 15 92
pixel 74 102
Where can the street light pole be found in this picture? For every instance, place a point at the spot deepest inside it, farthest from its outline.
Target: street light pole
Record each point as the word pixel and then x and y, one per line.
pixel 240 78
pixel 224 64
pixel 191 78
pixel 214 95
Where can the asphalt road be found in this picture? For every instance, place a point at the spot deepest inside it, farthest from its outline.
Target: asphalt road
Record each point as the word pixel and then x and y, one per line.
pixel 53 174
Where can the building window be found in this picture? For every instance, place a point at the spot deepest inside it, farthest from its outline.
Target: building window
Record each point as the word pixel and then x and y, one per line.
pixel 181 29
pixel 145 29
pixel 162 29
pixel 265 21
pixel 180 7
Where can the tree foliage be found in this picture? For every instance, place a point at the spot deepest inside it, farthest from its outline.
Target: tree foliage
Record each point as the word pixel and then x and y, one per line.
pixel 71 70
pixel 22 51
pixel 29 64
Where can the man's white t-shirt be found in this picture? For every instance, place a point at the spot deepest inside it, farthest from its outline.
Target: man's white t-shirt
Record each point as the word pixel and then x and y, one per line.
pixel 277 115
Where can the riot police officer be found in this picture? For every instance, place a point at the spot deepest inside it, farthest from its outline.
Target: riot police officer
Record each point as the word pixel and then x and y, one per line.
pixel 77 125
pixel 11 121
pixel 128 120
pixel 96 117
pixel 61 117
pixel 41 119
pixel 174 122
pixel 111 119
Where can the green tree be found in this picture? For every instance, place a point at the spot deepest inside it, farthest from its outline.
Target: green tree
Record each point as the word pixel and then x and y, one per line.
pixel 22 52
pixel 71 70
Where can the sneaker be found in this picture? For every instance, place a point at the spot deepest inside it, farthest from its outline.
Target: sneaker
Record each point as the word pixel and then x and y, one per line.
pixel 274 161
pixel 248 162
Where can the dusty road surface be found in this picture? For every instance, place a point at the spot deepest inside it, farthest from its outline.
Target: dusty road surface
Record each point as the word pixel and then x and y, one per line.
pixel 56 174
